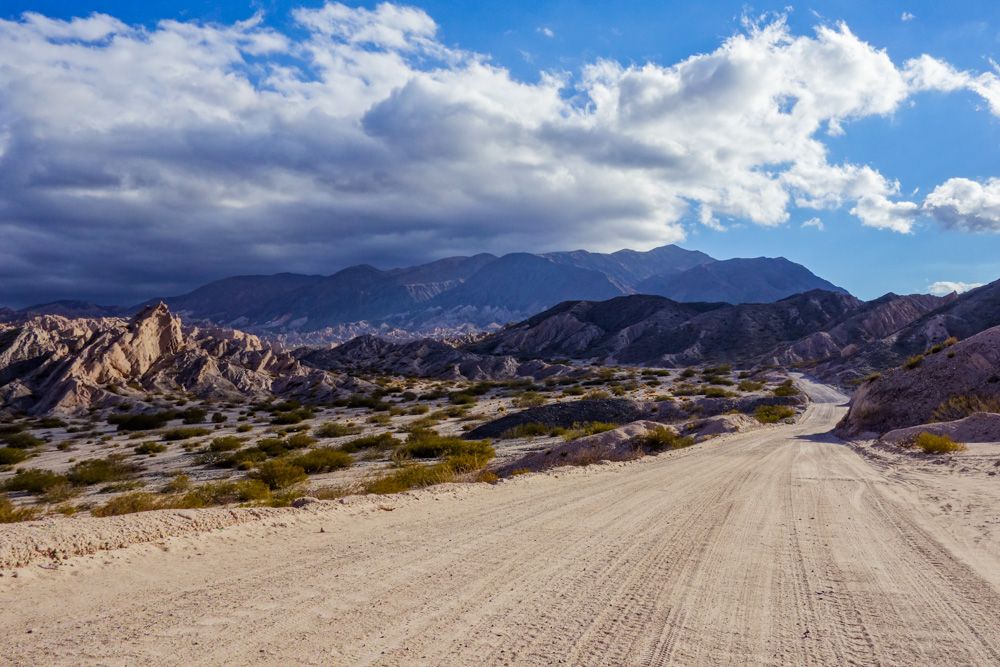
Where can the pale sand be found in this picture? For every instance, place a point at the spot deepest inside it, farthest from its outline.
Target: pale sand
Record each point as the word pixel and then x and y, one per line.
pixel 777 547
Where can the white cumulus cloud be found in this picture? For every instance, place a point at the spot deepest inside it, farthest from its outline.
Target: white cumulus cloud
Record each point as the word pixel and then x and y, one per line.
pixel 907 16
pixel 546 31
pixel 943 287
pixel 966 205
pixel 813 222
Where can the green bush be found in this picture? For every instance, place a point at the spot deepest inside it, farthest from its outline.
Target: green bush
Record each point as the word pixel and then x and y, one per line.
pixel 411 477
pixel 183 433
pixel 193 415
pixel 750 385
pixel 661 439
pixel 381 442
pixel 21 440
pixel 913 361
pixel 785 389
pixel 50 422
pixel 11 513
pixel 284 418
pixel 772 414
pixel 141 422
pixel 461 398
pixel 938 444
pixel 129 503
pixel 426 444
pixel 963 405
pixel 11 455
pixel 219 418
pixel 580 430
pixel 525 431
pixel 150 448
pixel 323 459
pixel 718 392
pixel 299 441
pixel 244 428
pixel 226 443
pixel 529 399
pixel 278 474
pixel 98 471
pixel 33 480
pixel 336 430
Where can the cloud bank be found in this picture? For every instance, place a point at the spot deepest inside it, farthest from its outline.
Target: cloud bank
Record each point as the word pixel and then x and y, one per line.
pixel 943 287
pixel 160 158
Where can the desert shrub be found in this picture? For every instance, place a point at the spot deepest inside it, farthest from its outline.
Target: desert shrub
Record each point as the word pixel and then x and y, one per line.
pixel 226 443
pixel 278 474
pixel 685 389
pixel 580 430
pixel 913 361
pixel 273 447
pixel 951 341
pixel 21 440
pixel 597 394
pixel 11 455
pixel 873 377
pixel 529 399
pixel 323 459
pixel 98 471
pixel 61 492
pixel 938 444
pixel 285 418
pixel 299 441
pixel 141 422
pixel 184 432
pixel 50 422
pixel 525 431
pixel 934 349
pixel 461 398
pixel 426 444
pixel 688 373
pixel 129 503
pixel 335 430
pixel 244 428
pixel 178 484
pixel 410 477
pixel 750 385
pixel 661 439
pixel 194 415
pixel 718 392
pixel 785 389
pixel 241 459
pixel 772 414
pixel 11 513
pixel 961 406
pixel 33 480
pixel 382 441
pixel 380 419
pixel 418 410
pixel 150 448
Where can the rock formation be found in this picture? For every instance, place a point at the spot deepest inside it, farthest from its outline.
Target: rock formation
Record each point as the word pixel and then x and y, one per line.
pixel 52 364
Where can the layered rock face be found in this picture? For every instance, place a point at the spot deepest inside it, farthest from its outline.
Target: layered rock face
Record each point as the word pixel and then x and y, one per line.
pixel 944 385
pixel 52 364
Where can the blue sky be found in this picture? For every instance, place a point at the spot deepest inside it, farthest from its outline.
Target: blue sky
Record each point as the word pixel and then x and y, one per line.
pixel 166 144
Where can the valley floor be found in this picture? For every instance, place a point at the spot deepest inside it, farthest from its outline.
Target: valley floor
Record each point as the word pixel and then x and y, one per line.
pixel 777 547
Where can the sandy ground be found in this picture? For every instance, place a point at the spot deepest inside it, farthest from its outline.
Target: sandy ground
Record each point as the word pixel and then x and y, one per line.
pixel 782 546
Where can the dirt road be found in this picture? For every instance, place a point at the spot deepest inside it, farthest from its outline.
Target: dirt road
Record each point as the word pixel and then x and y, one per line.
pixel 777 547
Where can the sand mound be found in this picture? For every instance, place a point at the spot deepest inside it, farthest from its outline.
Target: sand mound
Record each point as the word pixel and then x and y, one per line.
pixel 977 427
pixel 615 445
pixel 720 425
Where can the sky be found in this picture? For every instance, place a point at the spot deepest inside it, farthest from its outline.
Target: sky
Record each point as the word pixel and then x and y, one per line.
pixel 149 148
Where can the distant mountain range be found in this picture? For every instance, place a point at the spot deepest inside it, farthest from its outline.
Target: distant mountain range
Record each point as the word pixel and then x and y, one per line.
pixel 461 295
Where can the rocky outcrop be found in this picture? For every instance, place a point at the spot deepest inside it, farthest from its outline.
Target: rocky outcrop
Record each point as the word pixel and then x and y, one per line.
pixel 54 364
pixel 431 358
pixel 965 374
